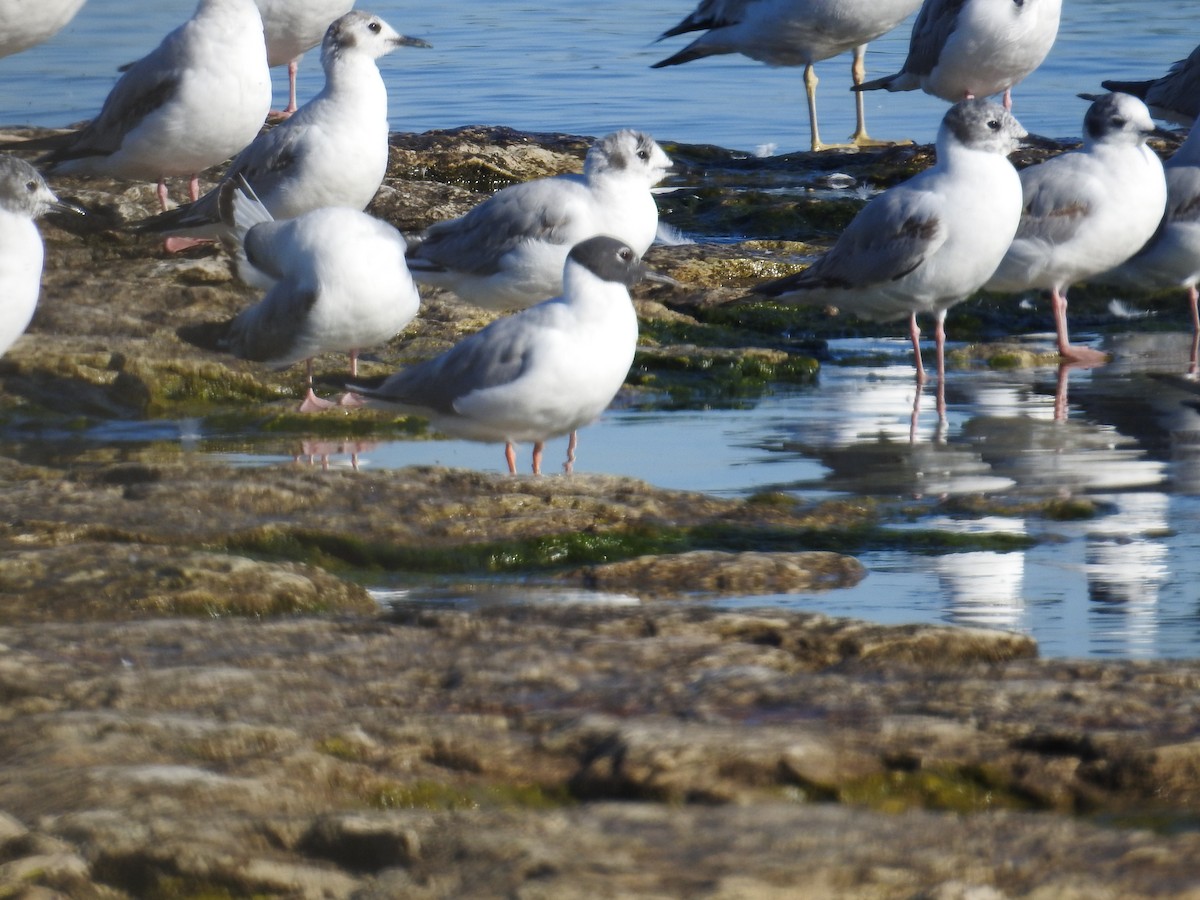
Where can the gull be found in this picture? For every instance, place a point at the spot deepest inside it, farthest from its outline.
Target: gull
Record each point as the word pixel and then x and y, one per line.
pixel 197 99
pixel 930 242
pixel 792 33
pixel 26 24
pixel 24 197
pixel 539 373
pixel 1086 211
pixel 961 49
pixel 1174 97
pixel 335 278
pixel 508 252
pixel 332 152
pixel 292 28
pixel 1172 257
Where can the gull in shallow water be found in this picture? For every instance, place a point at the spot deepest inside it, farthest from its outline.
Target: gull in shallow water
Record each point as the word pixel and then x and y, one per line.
pixel 791 33
pixel 1174 97
pixel 508 252
pixel 1087 211
pixel 928 243
pixel 24 24
pixel 332 152
pixel 292 28
pixel 1172 257
pixel 197 99
pixel 24 197
pixel 974 48
pixel 336 281
pixel 539 373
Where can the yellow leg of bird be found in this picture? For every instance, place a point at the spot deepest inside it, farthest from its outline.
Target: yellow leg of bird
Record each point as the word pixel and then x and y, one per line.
pixel 858 74
pixel 810 88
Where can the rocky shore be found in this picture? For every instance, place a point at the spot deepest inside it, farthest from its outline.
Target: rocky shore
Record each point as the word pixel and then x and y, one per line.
pixel 200 698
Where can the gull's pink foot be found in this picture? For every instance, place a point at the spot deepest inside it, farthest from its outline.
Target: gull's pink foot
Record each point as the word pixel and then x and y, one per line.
pixel 313 403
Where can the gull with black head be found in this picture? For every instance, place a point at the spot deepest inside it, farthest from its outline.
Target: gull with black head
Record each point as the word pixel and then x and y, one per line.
pixel 542 372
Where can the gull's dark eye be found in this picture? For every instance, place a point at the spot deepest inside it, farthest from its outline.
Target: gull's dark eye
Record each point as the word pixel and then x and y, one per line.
pixel 626 254
pixel 643 155
pixel 994 124
pixel 375 27
pixel 1118 121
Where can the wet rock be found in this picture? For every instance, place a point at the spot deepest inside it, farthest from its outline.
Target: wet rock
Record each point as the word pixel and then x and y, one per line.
pixel 199 698
pixel 701 572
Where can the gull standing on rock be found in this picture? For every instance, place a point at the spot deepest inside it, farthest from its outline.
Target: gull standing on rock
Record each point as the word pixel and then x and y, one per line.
pixel 332 152
pixel 196 100
pixel 961 49
pixel 792 33
pixel 336 281
pixel 539 373
pixel 292 28
pixel 1172 258
pixel 24 197
pixel 1174 97
pixel 1087 211
pixel 508 252
pixel 26 23
pixel 928 243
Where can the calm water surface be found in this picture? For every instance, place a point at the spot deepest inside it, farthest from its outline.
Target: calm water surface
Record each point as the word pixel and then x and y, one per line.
pixel 584 68
pixel 1124 584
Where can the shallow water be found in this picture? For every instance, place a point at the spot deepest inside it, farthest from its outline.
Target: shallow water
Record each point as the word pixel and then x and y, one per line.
pixel 584 69
pixel 1122 584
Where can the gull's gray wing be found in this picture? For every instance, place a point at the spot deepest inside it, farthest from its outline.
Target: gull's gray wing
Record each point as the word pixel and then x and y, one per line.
pixel 146 86
pixel 1058 201
pixel 1183 194
pixel 891 237
pixel 495 356
pixel 269 330
pixel 934 24
pixel 709 14
pixel 264 163
pixel 541 210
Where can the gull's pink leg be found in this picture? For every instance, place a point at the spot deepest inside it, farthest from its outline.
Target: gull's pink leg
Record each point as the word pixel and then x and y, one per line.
pixel 537 457
pixel 940 339
pixel 1192 305
pixel 162 193
pixel 194 188
pixel 914 332
pixel 572 445
pixel 510 457
pixel 351 400
pixel 1008 99
pixel 1081 356
pixel 293 68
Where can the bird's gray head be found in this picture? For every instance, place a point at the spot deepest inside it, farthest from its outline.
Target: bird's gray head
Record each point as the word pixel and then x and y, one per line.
pixel 982 125
pixel 24 192
pixel 627 153
pixel 1117 118
pixel 609 259
pixel 362 32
